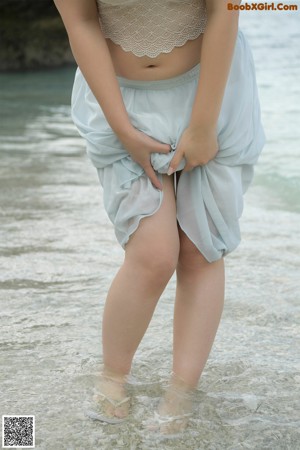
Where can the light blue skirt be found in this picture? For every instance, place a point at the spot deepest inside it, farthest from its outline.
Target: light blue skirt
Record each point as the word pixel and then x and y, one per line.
pixel 210 197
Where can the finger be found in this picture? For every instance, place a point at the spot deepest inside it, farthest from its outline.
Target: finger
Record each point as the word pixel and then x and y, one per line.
pixel 153 178
pixel 187 168
pixel 166 148
pixel 162 148
pixel 174 163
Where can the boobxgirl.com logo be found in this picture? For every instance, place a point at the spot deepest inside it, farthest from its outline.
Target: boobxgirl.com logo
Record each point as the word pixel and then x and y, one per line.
pixel 262 6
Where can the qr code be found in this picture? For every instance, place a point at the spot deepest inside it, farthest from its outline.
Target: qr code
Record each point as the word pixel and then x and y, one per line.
pixel 18 431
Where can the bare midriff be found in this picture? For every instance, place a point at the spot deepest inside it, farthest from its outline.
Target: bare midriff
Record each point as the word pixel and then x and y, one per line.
pixel 165 65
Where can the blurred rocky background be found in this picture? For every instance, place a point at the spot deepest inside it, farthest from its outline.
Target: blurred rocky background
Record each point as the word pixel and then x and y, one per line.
pixel 32 36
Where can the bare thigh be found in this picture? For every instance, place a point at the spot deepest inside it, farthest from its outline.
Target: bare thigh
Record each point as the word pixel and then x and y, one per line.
pixel 156 238
pixel 189 255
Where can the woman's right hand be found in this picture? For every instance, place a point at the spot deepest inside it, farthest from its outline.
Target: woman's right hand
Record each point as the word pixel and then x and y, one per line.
pixel 140 146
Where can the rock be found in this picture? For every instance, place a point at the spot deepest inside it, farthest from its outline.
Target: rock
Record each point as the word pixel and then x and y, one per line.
pixel 32 36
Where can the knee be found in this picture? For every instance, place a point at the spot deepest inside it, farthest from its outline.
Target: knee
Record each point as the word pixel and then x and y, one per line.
pixel 156 262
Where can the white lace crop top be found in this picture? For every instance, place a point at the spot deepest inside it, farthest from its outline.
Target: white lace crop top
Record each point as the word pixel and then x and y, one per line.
pixel 151 27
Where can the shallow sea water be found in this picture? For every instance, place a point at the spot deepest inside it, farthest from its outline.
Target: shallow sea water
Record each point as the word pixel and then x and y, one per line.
pixel 58 256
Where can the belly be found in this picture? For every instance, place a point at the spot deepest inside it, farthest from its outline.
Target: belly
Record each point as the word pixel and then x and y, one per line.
pixel 165 65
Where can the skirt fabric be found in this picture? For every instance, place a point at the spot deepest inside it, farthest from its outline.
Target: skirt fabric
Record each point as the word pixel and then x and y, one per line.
pixel 209 198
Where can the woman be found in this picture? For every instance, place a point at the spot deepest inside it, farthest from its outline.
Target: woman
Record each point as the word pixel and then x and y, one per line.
pixel 165 95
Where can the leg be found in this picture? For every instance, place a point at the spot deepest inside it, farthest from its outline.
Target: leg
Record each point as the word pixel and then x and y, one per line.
pixel 151 257
pixel 198 308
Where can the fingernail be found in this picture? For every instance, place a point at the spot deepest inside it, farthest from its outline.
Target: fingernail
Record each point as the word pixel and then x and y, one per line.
pixel 170 171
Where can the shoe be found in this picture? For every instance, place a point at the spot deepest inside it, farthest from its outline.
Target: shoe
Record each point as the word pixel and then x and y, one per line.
pixel 98 415
pixel 159 425
pixel 175 409
pixel 98 411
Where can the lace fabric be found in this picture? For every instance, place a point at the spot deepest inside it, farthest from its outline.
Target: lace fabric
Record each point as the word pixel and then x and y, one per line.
pixel 151 27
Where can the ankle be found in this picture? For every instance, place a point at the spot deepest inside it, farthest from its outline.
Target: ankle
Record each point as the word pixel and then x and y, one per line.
pixel 110 374
pixel 180 385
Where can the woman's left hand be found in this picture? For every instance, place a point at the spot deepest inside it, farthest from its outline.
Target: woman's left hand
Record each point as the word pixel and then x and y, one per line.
pixel 197 145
